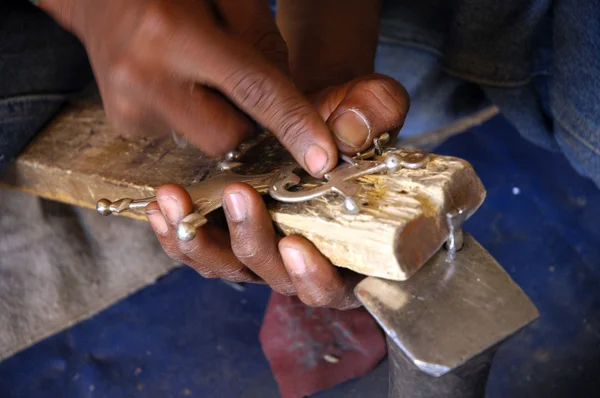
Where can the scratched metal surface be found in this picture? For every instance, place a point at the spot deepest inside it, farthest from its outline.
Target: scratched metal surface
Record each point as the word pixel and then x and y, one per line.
pixel 185 336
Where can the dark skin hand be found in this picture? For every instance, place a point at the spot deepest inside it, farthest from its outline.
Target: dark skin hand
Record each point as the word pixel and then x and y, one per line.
pixel 203 68
pixel 147 56
pixel 252 252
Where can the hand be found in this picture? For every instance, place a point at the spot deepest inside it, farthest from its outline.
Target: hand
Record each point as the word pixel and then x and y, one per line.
pixel 252 252
pixel 197 67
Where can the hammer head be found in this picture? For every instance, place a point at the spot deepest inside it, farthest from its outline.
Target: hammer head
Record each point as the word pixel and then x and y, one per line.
pixel 456 307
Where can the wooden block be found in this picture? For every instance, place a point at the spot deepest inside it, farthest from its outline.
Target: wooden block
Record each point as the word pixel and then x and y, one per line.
pixel 78 159
pixel 402 222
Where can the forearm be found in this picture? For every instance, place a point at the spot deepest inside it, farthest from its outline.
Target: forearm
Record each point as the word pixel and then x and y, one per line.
pixel 329 42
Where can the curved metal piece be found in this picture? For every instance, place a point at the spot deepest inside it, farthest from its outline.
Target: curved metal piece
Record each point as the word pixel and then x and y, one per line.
pixel 414 159
pixel 206 195
pixel 340 179
pixel 105 207
pixel 335 183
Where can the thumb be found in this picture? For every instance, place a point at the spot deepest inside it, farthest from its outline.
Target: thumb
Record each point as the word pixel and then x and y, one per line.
pixel 363 109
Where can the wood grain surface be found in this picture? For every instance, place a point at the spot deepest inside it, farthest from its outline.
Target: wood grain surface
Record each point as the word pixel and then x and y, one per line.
pixel 78 159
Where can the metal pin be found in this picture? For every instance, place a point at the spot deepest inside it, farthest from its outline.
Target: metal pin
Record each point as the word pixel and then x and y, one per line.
pixel 351 206
pixel 455 220
pixel 349 160
pixel 377 148
pixel 105 207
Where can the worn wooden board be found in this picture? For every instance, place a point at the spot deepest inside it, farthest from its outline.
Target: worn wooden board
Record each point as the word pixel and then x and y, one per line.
pixel 79 159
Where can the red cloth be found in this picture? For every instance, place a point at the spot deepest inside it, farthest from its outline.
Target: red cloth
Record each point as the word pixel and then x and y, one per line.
pixel 296 340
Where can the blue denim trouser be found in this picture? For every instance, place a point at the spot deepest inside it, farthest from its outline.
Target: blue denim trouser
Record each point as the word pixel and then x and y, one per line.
pixel 537 60
pixel 39 65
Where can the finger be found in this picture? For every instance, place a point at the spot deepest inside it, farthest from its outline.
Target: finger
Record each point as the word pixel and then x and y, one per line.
pixel 130 114
pixel 363 109
pixel 165 233
pixel 253 238
pixel 253 22
pixel 142 93
pixel 211 256
pixel 207 119
pixel 317 281
pixel 262 91
pixel 209 253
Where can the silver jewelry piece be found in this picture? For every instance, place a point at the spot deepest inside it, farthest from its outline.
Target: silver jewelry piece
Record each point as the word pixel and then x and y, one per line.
pixel 207 195
pixel 339 181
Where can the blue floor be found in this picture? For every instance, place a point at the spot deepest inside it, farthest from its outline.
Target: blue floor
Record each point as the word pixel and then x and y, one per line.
pixel 185 336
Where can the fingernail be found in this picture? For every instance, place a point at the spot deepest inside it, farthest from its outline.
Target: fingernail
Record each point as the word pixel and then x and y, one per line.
pixel 171 208
pixel 352 128
pixel 158 222
pixel 316 159
pixel 236 206
pixel 294 260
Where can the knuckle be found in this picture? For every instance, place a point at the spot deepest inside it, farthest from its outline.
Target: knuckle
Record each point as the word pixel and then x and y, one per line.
pixel 251 253
pixel 246 251
pixel 228 140
pixel 210 149
pixel 295 126
pixel 253 89
pixel 238 275
pixel 332 295
pixel 288 117
pixel 173 253
pixel 125 111
pixel 319 297
pixel 388 94
pixel 321 300
pixel 206 272
pixel 125 74
pixel 195 248
pixel 157 21
pixel 286 289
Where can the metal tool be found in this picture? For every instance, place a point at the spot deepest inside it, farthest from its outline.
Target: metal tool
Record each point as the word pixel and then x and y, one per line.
pixel 445 323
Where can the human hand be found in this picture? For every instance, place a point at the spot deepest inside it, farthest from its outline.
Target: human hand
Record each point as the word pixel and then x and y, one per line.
pixel 251 251
pixel 201 68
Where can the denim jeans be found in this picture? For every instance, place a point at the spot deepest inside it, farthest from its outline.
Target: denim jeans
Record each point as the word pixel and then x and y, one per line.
pixel 537 60
pixel 40 64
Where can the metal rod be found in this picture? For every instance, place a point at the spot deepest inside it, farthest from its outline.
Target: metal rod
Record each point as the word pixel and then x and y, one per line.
pixel 467 381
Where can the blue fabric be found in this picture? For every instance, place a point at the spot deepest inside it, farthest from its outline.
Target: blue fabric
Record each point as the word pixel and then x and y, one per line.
pixel 39 64
pixel 188 336
pixel 21 118
pixel 537 60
